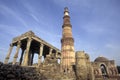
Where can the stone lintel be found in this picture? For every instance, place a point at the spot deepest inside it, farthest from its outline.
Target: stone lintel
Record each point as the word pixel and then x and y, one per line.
pixel 45 43
pixel 34 37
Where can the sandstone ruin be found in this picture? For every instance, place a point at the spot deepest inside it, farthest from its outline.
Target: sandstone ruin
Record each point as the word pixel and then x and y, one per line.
pixel 73 65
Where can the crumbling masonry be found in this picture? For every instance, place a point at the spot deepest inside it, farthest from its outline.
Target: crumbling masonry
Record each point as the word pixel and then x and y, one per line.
pixel 72 66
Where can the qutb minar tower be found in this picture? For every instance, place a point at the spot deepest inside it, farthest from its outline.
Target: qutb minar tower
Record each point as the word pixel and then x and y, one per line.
pixel 67 43
pixel 73 65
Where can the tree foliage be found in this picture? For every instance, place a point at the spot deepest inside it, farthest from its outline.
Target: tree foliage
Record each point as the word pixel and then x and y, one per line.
pixel 118 67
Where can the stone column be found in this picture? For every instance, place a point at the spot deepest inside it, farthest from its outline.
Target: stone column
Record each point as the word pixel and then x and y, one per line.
pixel 26 58
pixel 21 58
pixel 40 53
pixel 56 54
pixel 17 51
pixel 8 55
pixel 29 57
pixel 50 52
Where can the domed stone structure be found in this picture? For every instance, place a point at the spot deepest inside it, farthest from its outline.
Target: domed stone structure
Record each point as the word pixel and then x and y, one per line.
pixel 101 59
pixel 104 69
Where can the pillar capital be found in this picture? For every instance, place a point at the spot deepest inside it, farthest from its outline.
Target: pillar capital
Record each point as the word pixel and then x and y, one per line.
pixel 30 39
pixel 41 45
pixel 19 43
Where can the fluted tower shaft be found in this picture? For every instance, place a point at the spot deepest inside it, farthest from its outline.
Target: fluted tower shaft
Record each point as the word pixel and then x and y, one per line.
pixel 67 43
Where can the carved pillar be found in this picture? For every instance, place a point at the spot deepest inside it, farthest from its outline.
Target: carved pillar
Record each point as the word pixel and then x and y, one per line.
pixel 21 58
pixel 50 52
pixel 40 54
pixel 17 51
pixel 8 55
pixel 26 58
pixel 56 54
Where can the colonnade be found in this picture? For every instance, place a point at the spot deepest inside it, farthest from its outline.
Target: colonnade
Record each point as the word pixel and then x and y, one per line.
pixel 27 54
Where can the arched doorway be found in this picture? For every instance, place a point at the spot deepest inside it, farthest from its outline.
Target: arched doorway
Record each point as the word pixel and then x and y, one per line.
pixel 104 71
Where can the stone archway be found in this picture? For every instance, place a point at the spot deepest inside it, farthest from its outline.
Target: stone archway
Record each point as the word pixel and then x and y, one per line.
pixel 104 71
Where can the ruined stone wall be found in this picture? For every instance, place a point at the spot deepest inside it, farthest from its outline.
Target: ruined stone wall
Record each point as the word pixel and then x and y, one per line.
pixel 15 72
pixel 46 71
pixel 83 66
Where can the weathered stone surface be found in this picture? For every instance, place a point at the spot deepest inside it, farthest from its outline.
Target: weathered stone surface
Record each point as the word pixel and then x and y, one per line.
pixel 15 72
pixel 82 67
pixel 71 67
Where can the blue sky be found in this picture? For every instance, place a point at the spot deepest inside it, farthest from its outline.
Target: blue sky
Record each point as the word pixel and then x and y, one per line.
pixel 95 23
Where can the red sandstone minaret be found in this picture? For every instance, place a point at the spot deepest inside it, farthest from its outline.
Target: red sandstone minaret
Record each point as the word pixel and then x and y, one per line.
pixel 67 41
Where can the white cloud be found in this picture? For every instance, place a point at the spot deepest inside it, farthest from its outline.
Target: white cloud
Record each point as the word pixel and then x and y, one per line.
pixel 34 17
pixel 92 28
pixel 113 46
pixel 6 10
pixel 9 29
